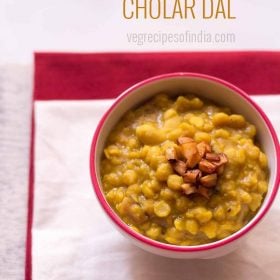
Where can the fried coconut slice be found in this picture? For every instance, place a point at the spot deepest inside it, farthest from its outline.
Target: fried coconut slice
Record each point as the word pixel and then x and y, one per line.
pixel 190 152
pixel 192 176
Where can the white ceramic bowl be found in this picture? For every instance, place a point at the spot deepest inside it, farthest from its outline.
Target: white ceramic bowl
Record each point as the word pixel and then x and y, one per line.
pixel 222 93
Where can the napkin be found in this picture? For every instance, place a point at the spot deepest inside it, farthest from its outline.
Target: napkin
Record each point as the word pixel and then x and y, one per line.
pixel 69 237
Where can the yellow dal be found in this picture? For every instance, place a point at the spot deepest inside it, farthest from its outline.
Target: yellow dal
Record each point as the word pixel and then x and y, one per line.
pixel 144 191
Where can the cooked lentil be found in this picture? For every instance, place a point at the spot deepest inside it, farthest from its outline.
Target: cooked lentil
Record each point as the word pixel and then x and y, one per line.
pixel 142 187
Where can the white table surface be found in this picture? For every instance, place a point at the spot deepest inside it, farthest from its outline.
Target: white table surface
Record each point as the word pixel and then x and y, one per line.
pixel 94 25
pixel 84 25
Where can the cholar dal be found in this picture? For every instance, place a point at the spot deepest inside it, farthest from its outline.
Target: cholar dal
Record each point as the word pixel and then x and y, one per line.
pixel 143 188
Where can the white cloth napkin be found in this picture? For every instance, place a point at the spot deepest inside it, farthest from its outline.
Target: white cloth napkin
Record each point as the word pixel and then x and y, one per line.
pixel 72 238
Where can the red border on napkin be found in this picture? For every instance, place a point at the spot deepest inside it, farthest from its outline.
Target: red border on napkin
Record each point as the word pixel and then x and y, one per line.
pixel 66 76
pixel 106 75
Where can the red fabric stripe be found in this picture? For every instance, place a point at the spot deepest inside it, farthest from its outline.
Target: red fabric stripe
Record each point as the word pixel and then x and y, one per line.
pixel 28 255
pixel 106 75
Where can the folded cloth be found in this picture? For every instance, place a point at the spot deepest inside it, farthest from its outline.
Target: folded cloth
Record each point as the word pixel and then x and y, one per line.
pixel 69 237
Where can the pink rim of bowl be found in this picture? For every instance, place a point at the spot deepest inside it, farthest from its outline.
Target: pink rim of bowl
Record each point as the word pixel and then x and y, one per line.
pixel 159 245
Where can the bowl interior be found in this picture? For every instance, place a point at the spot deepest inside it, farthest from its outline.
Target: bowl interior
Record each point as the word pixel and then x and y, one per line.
pixel 217 91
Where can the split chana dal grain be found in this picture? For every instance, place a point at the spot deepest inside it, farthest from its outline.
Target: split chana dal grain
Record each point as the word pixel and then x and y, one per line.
pixel 180 196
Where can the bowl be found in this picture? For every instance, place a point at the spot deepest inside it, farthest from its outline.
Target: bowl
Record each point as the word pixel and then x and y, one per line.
pixel 222 93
